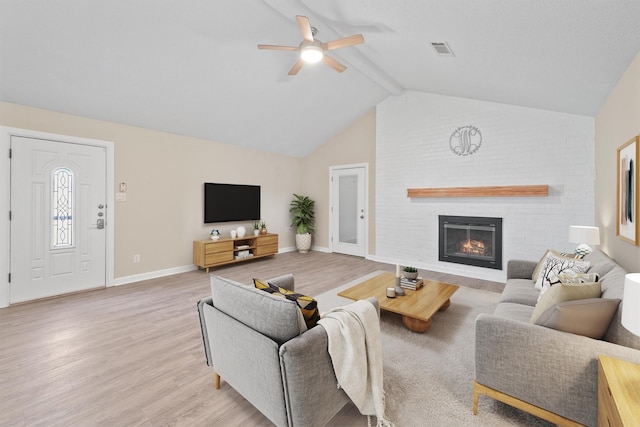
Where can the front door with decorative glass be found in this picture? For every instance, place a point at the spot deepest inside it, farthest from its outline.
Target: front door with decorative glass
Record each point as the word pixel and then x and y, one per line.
pixel 58 216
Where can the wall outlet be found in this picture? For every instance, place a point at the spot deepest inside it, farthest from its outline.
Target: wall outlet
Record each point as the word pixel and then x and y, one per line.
pixel 136 258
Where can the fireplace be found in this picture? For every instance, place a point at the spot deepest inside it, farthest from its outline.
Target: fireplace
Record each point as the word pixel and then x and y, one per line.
pixel 470 240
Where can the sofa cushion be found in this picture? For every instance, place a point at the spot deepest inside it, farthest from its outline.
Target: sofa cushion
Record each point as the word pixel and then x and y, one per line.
pixel 589 317
pixel 613 283
pixel 565 292
pixel 520 291
pixel 600 262
pixel 276 318
pixel 613 287
pixel 514 311
pixel 555 264
pixel 308 306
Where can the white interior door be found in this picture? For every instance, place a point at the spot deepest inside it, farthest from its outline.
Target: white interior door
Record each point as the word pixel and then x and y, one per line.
pixel 348 206
pixel 58 218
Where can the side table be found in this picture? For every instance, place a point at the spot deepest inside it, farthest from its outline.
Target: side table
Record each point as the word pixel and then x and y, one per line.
pixel 618 392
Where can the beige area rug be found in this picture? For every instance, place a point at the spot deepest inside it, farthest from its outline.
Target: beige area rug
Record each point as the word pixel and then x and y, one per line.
pixel 428 378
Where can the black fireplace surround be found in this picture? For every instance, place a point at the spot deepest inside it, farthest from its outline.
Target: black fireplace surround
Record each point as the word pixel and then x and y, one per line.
pixel 470 240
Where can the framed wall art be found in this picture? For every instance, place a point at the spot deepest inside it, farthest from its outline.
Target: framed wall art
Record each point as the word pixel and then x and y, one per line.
pixel 627 227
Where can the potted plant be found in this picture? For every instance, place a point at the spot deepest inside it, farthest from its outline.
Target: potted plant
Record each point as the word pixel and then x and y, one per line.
pixel 410 272
pixel 256 228
pixel 303 218
pixel 263 227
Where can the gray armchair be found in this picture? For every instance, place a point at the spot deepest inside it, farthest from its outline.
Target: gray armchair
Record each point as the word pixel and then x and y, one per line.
pixel 261 347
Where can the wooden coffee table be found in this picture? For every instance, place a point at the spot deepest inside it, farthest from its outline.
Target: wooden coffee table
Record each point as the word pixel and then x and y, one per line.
pixel 416 307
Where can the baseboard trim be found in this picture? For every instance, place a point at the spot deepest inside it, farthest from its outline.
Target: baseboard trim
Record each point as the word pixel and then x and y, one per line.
pixel 119 281
pixel 126 280
pixel 477 273
pixel 285 250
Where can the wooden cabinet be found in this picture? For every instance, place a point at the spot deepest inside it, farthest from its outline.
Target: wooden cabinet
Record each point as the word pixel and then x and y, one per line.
pixel 618 392
pixel 212 253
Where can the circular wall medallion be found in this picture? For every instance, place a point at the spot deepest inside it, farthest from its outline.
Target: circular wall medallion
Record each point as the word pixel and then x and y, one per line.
pixel 465 140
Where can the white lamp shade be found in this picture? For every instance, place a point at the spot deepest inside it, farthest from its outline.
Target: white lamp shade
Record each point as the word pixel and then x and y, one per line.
pixel 631 303
pixel 583 234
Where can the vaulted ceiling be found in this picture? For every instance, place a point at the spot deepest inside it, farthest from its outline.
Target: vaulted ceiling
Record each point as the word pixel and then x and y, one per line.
pixel 192 67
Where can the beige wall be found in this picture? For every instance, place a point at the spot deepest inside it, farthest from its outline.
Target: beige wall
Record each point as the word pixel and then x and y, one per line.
pixel 617 122
pixel 164 174
pixel 356 144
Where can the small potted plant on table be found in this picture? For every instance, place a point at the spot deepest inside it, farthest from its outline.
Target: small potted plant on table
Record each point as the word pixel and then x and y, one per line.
pixel 410 272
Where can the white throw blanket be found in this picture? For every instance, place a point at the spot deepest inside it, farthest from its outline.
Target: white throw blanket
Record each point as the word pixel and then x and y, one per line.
pixel 356 353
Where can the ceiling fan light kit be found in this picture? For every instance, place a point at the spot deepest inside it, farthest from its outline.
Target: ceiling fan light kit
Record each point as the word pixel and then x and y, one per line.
pixel 312 50
pixel 311 53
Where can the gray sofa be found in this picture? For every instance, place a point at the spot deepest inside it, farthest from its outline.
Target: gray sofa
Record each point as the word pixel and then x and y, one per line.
pixel 261 347
pixel 544 371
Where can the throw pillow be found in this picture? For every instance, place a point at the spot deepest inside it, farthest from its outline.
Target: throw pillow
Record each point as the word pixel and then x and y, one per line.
pixel 308 306
pixel 570 276
pixel 565 292
pixel 555 264
pixel 588 317
pixel 542 261
pixel 536 271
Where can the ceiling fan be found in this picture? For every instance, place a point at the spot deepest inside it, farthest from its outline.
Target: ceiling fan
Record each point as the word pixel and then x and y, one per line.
pixel 313 50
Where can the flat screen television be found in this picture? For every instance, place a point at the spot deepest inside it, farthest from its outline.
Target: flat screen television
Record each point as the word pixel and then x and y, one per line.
pixel 231 202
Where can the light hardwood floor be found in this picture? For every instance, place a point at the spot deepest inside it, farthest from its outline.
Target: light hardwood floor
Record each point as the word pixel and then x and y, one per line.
pixel 132 355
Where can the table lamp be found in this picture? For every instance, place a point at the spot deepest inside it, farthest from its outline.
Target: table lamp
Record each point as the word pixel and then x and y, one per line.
pixel 584 236
pixel 631 303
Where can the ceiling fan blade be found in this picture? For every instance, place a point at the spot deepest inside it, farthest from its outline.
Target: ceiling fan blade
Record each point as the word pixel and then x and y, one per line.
pixel 333 63
pixel 296 67
pixel 344 42
pixel 276 47
pixel 305 27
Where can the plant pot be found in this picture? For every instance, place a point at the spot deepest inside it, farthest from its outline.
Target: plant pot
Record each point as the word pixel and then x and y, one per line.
pixel 410 276
pixel 263 231
pixel 303 242
pixel 256 232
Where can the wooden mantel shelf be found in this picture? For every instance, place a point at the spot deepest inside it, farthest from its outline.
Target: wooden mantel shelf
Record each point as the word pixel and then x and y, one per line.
pixel 495 191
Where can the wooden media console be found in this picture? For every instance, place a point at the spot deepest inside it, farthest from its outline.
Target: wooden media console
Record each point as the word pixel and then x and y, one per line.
pixel 213 253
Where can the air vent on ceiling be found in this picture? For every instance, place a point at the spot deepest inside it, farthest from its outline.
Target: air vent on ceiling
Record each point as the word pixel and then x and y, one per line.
pixel 442 49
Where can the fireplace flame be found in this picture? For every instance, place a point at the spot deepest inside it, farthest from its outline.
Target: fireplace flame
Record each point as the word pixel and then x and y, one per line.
pixel 474 247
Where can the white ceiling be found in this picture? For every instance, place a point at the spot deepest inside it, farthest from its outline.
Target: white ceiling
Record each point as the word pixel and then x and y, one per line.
pixel 192 67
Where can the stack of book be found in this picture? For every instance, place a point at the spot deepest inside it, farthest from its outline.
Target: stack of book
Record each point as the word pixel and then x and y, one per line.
pixel 412 284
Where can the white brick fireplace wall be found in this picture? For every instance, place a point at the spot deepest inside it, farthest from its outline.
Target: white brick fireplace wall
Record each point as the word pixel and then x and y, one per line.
pixel 520 146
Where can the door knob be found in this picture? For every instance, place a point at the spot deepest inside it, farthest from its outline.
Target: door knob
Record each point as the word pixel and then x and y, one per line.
pixel 100 223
